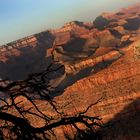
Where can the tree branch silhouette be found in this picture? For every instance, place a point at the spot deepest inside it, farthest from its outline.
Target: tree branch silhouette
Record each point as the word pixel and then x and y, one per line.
pixel 37 85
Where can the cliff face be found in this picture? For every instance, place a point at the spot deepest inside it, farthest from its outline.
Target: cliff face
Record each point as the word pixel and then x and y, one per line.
pixel 20 58
pixel 100 59
pixel 75 42
pixel 117 82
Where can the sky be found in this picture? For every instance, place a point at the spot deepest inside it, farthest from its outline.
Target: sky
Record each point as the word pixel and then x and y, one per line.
pixel 21 18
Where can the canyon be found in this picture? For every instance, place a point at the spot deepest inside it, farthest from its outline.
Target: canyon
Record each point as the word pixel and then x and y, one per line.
pixel 100 59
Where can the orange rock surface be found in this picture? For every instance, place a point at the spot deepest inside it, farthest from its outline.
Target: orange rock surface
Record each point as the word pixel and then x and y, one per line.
pixel 99 62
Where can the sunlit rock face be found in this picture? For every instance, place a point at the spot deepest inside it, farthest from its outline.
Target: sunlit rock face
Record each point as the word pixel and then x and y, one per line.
pixel 100 59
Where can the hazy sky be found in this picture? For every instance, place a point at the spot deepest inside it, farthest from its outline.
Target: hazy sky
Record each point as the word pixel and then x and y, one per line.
pixel 20 18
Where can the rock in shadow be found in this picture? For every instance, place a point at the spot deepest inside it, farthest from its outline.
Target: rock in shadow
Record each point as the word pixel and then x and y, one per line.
pixel 115 33
pixel 74 51
pixel 71 79
pixel 81 24
pixel 75 45
pixel 132 24
pixel 101 22
pixel 31 59
pixel 125 125
pixel 125 43
pixel 120 13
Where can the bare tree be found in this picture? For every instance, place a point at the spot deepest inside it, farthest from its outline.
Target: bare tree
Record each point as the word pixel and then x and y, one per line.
pixel 14 114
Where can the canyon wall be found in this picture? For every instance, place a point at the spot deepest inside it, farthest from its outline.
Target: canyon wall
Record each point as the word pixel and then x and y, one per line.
pixel 100 60
pixel 23 57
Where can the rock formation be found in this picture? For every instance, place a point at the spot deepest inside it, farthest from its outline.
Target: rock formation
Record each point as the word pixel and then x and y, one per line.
pixel 101 59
